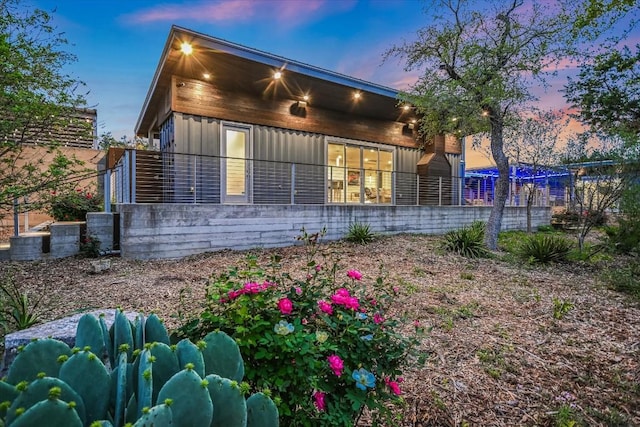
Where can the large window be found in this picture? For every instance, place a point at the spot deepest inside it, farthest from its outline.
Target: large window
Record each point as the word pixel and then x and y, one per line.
pixel 359 174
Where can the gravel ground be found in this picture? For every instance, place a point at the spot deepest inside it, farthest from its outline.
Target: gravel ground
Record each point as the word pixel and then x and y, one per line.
pixel 497 355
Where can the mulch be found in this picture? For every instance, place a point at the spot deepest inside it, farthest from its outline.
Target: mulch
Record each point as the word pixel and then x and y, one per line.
pixel 495 355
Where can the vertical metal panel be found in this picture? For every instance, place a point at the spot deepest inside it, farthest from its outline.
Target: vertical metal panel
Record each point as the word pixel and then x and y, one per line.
pixel 274 150
pixel 456 180
pixel 406 184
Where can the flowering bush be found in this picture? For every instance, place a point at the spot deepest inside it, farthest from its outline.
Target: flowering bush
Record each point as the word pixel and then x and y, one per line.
pixel 325 350
pixel 73 204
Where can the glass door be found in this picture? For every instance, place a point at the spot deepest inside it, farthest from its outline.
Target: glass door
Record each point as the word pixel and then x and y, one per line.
pixel 236 170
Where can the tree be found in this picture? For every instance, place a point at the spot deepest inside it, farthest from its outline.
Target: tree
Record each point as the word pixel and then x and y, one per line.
pixel 607 93
pixel 107 140
pixel 602 170
pixel 476 69
pixel 532 141
pixel 37 100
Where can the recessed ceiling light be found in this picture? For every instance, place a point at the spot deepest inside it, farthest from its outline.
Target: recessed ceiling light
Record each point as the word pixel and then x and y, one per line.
pixel 206 76
pixel 306 97
pixel 186 48
pixel 357 95
pixel 277 75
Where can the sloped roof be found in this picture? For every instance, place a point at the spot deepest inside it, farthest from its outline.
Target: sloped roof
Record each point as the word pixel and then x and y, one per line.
pixel 234 67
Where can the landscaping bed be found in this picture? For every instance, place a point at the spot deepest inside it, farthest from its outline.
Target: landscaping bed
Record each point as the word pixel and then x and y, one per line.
pixel 511 344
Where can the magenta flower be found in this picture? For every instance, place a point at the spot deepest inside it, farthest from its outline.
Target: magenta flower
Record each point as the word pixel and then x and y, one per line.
pixel 285 306
pixel 342 297
pixel 354 274
pixel 298 290
pixel 377 318
pixel 325 307
pixel 336 364
pixel 393 386
pixel 318 400
pixel 318 267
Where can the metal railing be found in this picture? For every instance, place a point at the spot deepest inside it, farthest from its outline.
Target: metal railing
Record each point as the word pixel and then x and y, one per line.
pixel 163 177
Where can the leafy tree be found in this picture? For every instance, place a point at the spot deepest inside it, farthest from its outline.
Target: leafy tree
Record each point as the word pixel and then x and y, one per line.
pixel 607 93
pixel 107 140
pixel 602 170
pixel 533 141
pixel 477 65
pixel 37 100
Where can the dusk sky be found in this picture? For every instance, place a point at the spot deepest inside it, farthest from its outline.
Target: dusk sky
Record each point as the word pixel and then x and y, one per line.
pixel 118 43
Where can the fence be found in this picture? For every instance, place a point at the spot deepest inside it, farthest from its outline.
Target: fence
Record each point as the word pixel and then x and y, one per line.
pixel 163 177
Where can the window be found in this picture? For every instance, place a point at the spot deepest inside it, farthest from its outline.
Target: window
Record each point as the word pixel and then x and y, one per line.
pixel 359 174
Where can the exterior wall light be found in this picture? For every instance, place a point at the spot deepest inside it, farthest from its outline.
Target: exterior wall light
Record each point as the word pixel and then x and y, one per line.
pixel 357 95
pixel 277 75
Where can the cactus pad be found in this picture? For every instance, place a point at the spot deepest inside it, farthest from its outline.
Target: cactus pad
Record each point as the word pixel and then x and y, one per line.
pixel 191 403
pixel 38 356
pixel 222 356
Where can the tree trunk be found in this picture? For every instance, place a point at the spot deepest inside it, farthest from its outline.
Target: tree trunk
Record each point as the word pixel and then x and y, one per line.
pixel 502 184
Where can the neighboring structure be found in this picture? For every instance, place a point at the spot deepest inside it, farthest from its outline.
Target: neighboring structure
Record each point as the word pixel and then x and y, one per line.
pixel 77 137
pixel 248 115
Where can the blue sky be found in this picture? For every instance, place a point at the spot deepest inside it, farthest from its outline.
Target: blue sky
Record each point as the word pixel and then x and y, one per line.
pixel 118 42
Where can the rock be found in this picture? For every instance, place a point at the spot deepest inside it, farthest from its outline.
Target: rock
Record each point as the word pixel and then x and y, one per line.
pixel 100 265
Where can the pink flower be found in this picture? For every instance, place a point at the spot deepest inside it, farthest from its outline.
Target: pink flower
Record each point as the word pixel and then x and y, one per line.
pixel 304 321
pixel 354 274
pixel 318 400
pixel 325 307
pixel 336 364
pixel 285 306
pixel 377 318
pixel 318 267
pixel 342 297
pixel 394 386
pixel 396 289
pixel 298 290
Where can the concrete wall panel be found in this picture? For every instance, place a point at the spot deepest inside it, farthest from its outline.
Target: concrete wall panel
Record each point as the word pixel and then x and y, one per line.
pixel 151 231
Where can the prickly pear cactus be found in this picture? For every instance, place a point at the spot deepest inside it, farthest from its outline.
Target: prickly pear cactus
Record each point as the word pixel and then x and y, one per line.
pixel 38 390
pixel 158 416
pixel 222 356
pixel 147 386
pixel 38 356
pixel 89 335
pixel 190 400
pixel 51 412
pixel 87 375
pixel 228 401
pixel 261 411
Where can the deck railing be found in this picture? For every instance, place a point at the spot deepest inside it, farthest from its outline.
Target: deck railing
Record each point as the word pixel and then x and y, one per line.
pixel 162 177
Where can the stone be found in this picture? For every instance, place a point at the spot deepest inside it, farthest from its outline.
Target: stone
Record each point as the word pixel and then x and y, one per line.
pixel 100 265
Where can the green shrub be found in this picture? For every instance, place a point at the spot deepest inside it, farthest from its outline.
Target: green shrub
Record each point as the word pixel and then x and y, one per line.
pixel 73 204
pixel 624 278
pixel 545 229
pixel 466 241
pixel 543 248
pixel 360 233
pixel 90 247
pixel 17 310
pixel 326 348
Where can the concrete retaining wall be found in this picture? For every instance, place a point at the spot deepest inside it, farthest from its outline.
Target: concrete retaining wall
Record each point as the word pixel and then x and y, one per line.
pixel 151 231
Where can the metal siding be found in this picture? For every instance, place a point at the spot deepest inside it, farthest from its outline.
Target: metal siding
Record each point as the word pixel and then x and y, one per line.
pixel 406 184
pixel 274 151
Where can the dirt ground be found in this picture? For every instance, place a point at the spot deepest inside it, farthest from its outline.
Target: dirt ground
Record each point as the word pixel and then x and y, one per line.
pixel 496 354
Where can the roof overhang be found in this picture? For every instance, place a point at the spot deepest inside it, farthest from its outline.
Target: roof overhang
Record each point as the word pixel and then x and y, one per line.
pixel 235 68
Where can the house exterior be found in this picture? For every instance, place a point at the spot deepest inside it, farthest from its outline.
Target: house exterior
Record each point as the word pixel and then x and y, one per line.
pixel 253 147
pixel 250 114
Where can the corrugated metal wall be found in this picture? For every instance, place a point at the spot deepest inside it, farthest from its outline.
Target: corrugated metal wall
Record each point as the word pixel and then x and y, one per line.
pixel 274 150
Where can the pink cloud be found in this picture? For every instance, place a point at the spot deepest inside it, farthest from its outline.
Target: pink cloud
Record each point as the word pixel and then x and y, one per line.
pixel 290 13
